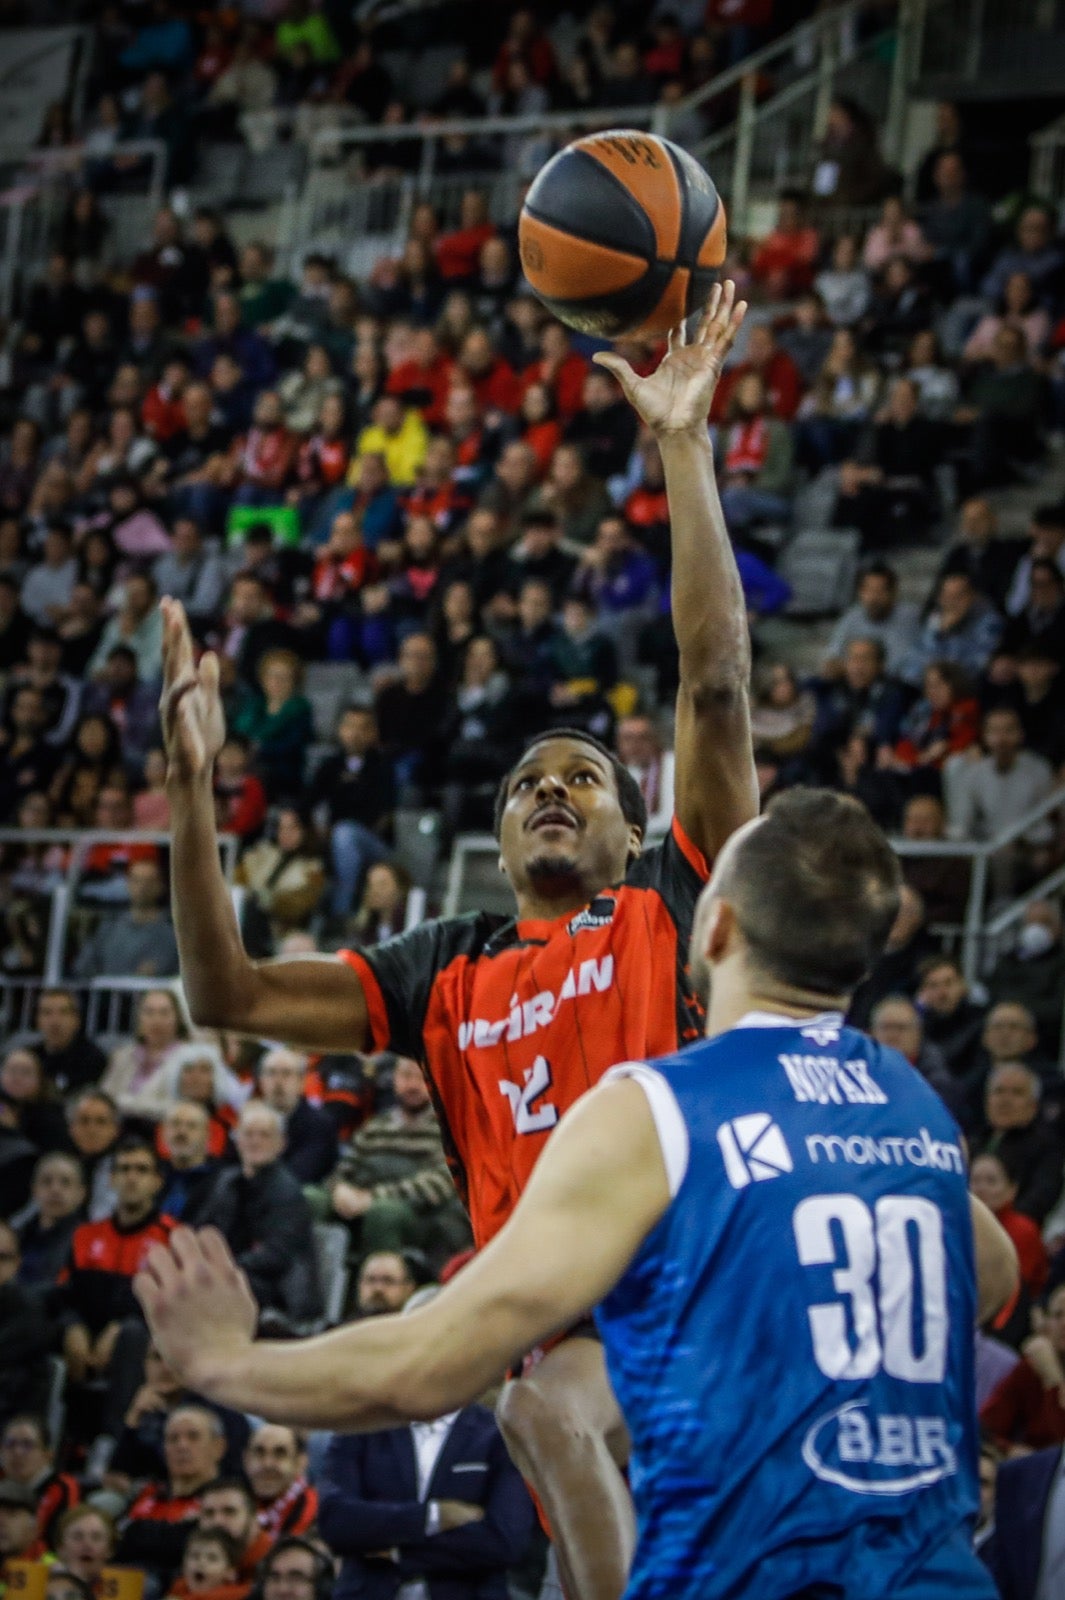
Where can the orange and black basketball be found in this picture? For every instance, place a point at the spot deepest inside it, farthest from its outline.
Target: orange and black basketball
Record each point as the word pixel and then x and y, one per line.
pixel 622 231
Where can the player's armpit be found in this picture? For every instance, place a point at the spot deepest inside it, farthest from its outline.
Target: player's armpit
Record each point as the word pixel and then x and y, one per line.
pixel 997 1271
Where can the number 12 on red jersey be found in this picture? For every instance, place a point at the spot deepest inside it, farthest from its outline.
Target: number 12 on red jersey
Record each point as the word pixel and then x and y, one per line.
pixel 528 1116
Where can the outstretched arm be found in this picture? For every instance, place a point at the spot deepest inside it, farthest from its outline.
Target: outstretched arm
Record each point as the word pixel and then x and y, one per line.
pixel 314 1002
pixel 573 1234
pixel 996 1262
pixel 716 785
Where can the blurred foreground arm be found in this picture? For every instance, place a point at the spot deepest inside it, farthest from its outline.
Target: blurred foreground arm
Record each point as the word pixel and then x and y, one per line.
pixel 997 1272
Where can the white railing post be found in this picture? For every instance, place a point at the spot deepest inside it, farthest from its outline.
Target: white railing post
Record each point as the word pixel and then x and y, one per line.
pixel 741 162
pixel 57 932
pixel 903 72
pixel 974 911
pixel 825 70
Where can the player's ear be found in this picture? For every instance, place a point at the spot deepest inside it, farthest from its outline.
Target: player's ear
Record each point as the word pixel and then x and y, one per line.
pixel 720 929
pixel 635 843
pixel 501 864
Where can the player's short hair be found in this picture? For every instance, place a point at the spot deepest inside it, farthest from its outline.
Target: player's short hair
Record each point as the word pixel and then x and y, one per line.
pixel 633 804
pixel 815 889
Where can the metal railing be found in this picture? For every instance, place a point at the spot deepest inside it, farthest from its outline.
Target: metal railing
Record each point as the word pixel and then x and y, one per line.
pixel 107 1004
pixel 1046 174
pixel 35 187
pixel 63 898
pixel 978 933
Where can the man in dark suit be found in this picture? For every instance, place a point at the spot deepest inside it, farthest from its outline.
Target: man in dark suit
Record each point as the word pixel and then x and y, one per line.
pixel 1028 1550
pixel 435 1510
pixel 310 1152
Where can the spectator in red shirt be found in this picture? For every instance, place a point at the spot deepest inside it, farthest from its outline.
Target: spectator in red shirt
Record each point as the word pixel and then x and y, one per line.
pixel 783 382
pixel 785 260
pixel 261 462
pixel 438 494
pixel 525 41
pixel 495 383
pixel 465 428
pixel 944 721
pixel 240 799
pixel 104 1334
pixel 541 429
pixel 458 253
pixel 275 1462
pixel 230 1505
pixel 991 1182
pixel 423 377
pixel 1027 1408
pixel 561 368
pixel 323 459
pixel 158 1522
pixel 163 410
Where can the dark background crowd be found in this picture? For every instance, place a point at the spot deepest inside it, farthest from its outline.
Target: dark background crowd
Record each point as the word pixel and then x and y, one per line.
pixel 418 525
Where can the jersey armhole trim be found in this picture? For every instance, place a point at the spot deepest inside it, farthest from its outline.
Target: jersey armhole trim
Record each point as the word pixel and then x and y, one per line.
pixel 669 1121
pixel 691 852
pixel 376 1010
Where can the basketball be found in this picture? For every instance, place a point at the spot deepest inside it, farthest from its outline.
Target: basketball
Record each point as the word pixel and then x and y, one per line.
pixel 622 232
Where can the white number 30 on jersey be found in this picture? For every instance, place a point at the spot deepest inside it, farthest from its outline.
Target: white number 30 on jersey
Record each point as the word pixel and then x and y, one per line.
pixel 528 1117
pixel 901 1323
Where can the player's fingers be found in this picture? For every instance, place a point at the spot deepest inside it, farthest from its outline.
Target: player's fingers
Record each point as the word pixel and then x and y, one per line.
pixel 209 674
pixel 185 1249
pixel 618 366
pixel 728 338
pixel 709 315
pixel 217 1253
pixel 171 699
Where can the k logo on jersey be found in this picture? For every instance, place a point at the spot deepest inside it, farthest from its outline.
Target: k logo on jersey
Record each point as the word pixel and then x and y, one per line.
pixel 753 1149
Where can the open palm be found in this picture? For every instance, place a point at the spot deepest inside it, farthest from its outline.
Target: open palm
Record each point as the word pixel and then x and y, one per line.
pixel 190 709
pixel 676 396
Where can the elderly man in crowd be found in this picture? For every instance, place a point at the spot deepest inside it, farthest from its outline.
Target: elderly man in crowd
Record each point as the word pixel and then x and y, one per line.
pixel 1015 1131
pixel 157 1524
pixel 259 1208
pixel 310 1138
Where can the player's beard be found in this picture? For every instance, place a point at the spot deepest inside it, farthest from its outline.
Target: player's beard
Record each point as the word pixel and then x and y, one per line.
pixel 547 870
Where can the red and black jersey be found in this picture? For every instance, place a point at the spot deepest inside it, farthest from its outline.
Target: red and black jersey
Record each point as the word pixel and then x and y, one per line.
pixel 292 1513
pixel 155 1529
pixel 97 1281
pixel 55 1494
pixel 514 1020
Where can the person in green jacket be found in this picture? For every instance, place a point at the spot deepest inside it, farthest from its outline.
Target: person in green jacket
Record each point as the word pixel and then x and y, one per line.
pixel 276 720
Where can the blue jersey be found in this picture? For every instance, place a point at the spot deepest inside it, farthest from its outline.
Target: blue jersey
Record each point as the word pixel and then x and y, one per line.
pixel 792 1346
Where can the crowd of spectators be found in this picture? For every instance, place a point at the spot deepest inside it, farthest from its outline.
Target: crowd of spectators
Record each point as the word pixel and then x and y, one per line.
pixel 420 479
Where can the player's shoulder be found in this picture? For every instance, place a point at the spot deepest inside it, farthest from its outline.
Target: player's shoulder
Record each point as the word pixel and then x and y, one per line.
pixel 441 940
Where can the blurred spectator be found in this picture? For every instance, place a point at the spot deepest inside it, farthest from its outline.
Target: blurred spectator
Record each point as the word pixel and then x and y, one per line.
pixel 354 788
pixel 639 746
pixel 1010 1034
pixel 896 234
pixel 1046 533
pixel 86 1539
pixel 1034 253
pixel 980 553
pixel 1027 1407
pixel 228 1503
pixel 19 1540
pixel 134 1069
pixel 992 1182
pixel 877 614
pixel 209 1567
pixel 888 489
pixel 275 1464
pixel 862 699
pixel 47 1228
pixel 25 1458
pixel 963 630
pixel 191 572
pixel 128 704
pixel 94 1126
pixel 410 712
pixel 943 723
pixel 276 720
pixel 70 1059
pixel 1033 974
pixel 778 372
pixel 383 909
pixel 139 941
pixel 953 1021
pixel 1028 1528
pixel 1042 622
pixel 157 1524
pixel 285 877
pixel 605 426
pixel 941 881
pixel 480 735
pixel 849 170
pixel 844 284
pixel 137 623
pixel 985 796
pixel 310 1150
pixel 785 259
pixel 294 1568
pixel 1003 408
pixel 240 800
pixel 1014 1131
pixel 392 1186
pixel 897 1024
pixel 104 1335
pixel 139 1452
pixel 26 1333
pixel 260 1210
pixel 37 1107
pixel 756 452
pixel 190 1170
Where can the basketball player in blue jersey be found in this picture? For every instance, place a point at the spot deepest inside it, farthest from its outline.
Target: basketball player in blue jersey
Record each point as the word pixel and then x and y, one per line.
pixel 775 1229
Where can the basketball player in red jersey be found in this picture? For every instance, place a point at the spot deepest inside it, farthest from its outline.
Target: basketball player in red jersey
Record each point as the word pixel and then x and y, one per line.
pixel 513 1019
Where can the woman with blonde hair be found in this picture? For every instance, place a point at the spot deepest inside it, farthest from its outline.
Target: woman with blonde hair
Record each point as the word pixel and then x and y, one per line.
pixel 285 876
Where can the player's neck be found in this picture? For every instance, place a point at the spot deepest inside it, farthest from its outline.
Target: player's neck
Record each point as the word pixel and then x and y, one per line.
pixel 548 907
pixel 730 1002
